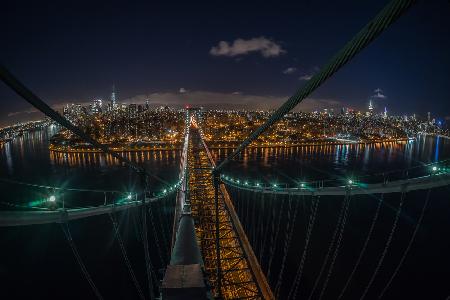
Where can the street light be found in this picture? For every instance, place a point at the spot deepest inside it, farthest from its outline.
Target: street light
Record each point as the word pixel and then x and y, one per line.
pixel 129 196
pixel 350 181
pixel 52 198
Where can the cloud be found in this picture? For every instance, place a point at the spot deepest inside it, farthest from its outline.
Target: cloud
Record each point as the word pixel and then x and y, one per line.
pixel 266 47
pixel 23 112
pixel 182 91
pixel 290 70
pixel 379 94
pixel 305 77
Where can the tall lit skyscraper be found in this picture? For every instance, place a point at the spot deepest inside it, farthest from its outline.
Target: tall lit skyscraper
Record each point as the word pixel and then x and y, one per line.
pixel 113 98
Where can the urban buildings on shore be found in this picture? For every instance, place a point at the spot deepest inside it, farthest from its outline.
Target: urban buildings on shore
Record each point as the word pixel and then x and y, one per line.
pixel 128 127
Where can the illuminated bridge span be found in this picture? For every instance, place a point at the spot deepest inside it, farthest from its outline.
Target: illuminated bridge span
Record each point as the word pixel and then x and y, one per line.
pixel 244 242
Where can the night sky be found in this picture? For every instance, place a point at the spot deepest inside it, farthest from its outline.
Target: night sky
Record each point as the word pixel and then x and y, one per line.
pixel 223 53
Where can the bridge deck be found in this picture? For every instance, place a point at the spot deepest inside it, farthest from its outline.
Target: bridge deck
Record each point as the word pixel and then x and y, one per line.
pixel 241 279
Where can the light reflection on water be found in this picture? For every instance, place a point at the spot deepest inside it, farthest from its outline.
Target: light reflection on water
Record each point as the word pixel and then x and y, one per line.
pixel 322 162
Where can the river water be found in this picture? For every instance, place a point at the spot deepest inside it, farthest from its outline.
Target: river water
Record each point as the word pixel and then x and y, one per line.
pixel 36 260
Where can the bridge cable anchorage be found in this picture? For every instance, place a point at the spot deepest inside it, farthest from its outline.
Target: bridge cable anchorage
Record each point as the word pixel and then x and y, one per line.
pixel 66 230
pixel 363 249
pixel 338 245
pixel 125 256
pixel 386 17
pixel 10 80
pixel 330 247
pixel 411 241
pixel 298 276
pixel 290 225
pixel 387 245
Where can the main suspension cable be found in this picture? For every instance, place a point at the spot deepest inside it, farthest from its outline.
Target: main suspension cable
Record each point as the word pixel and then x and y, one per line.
pixel 388 15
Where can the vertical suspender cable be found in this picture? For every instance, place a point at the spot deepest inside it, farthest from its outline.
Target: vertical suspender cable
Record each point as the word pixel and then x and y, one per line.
pixel 330 247
pixel 312 218
pixel 386 246
pixel 125 256
pixel 290 226
pixel 411 241
pixel 65 228
pixel 338 244
pixel 363 250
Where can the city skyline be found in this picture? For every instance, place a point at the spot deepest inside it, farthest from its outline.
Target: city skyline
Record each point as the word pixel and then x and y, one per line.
pixel 263 57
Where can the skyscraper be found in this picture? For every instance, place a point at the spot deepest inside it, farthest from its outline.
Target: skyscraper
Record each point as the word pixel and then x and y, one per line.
pixel 113 98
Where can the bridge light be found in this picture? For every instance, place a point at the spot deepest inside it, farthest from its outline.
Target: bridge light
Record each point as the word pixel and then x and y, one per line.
pixel 52 198
pixel 129 196
pixel 350 181
pixel 302 185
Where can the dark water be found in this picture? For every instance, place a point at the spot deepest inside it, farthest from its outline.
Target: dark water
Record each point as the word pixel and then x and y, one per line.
pixel 36 261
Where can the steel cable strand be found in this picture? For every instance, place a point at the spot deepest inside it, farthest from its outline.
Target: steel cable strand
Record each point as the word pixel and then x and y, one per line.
pixel 287 242
pixel 269 221
pixel 253 224
pixel 261 225
pixel 159 212
pixel 274 244
pixel 66 230
pixel 155 235
pixel 338 246
pixel 125 256
pixel 363 249
pixel 330 247
pixel 386 247
pixel 411 241
pixel 299 274
pixel 148 263
pixel 294 288
pixel 272 232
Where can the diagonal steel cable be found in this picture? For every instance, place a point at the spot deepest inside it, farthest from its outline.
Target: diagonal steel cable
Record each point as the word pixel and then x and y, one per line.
pixel 388 15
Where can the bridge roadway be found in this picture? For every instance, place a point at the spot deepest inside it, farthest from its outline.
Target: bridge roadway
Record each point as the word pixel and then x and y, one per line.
pixel 241 276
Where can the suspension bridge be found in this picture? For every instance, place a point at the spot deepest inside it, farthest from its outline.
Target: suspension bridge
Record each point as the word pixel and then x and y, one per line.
pixel 222 237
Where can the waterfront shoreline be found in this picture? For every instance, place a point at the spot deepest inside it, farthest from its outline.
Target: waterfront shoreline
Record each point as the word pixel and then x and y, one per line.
pixel 211 146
